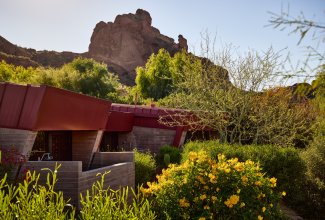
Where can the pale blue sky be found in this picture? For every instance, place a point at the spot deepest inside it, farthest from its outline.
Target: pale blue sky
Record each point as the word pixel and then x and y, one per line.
pixel 67 25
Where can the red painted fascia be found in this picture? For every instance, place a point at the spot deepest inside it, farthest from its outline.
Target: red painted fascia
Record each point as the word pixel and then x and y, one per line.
pixel 120 121
pixel 48 108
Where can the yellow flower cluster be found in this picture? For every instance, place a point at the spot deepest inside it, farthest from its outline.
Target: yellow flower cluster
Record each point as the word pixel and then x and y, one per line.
pixel 184 203
pixel 200 178
pixel 233 200
pixel 203 197
pixel 244 179
pixel 258 183
pixel 224 167
pixel 239 166
pixel 199 182
pixel 213 178
pixel 261 195
pixel 273 182
pixel 192 156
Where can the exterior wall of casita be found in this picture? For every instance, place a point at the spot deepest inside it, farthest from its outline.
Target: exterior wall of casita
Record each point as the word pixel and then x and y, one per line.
pixel 149 139
pixel 147 132
pixel 21 140
pixel 37 120
pixel 84 145
pixel 73 181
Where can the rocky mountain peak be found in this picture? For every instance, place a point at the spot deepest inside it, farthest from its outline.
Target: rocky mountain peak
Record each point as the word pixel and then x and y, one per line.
pixel 128 42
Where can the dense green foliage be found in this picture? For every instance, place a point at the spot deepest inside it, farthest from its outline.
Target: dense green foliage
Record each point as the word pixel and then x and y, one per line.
pixel 315 153
pixel 15 74
pixel 84 76
pixel 162 72
pixel 168 154
pixel 108 204
pixel 29 200
pixel 314 156
pixel 145 167
pixel 299 173
pixel 203 188
pixel 283 163
pixel 233 106
pixel 155 80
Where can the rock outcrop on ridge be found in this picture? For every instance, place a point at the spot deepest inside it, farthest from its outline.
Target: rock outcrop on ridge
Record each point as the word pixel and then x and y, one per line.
pixel 128 42
pixel 20 56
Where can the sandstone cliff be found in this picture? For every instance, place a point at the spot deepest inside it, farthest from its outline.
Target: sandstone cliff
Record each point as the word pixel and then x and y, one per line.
pixel 128 42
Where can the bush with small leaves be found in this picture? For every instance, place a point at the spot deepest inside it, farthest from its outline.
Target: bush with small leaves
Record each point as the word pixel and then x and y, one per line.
pixel 108 204
pixel 145 167
pixel 173 153
pixel 30 200
pixel 203 188
pixel 283 163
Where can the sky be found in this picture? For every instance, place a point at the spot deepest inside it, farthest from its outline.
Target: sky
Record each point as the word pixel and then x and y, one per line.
pixel 67 25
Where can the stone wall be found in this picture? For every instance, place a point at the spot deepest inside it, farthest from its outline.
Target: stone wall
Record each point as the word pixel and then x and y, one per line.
pixel 72 181
pixel 119 175
pixel 143 138
pixel 84 144
pixel 67 175
pixel 101 159
pixel 183 137
pixel 22 140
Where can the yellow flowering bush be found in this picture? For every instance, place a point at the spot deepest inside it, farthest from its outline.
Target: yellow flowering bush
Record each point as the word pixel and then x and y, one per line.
pixel 205 188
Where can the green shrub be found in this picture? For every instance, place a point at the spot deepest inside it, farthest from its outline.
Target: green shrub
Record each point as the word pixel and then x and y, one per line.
pixel 283 163
pixel 203 188
pixel 167 159
pixel 314 156
pixel 29 200
pixel 174 156
pixel 145 167
pixel 108 204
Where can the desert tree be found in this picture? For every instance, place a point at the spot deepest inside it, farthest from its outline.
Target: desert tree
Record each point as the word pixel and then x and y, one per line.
pixel 223 92
pixel 155 79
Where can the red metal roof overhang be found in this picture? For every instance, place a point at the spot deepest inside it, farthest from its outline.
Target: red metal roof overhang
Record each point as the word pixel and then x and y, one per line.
pixel 145 116
pixel 48 108
pixel 120 121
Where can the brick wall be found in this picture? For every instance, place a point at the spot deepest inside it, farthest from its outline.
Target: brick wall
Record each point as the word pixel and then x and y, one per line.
pixel 84 144
pixel 22 140
pixel 147 138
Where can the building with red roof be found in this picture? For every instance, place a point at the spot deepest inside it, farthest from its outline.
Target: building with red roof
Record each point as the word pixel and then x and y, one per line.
pixel 81 132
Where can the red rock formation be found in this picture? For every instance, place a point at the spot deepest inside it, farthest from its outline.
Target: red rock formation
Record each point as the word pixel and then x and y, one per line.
pixel 128 42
